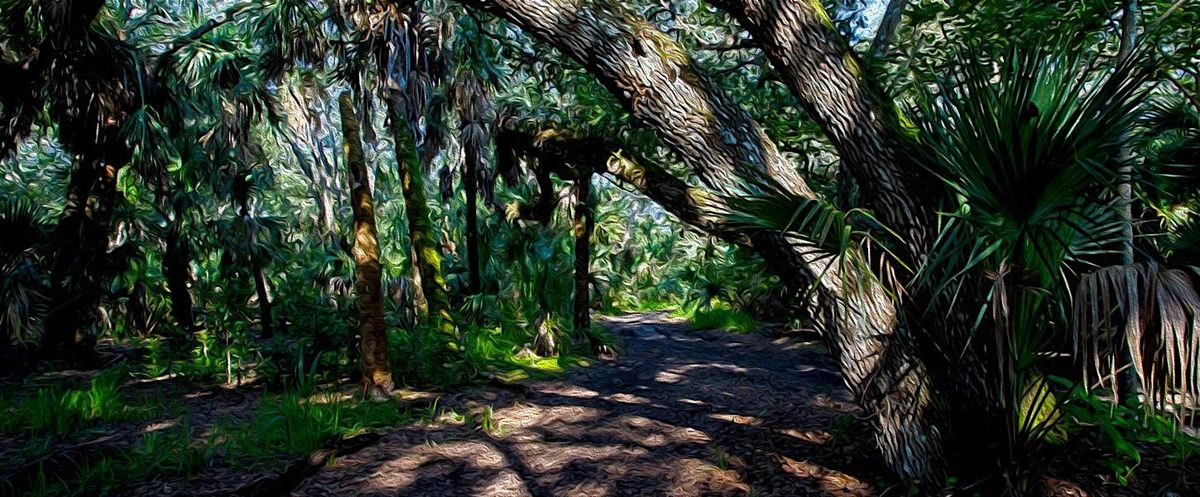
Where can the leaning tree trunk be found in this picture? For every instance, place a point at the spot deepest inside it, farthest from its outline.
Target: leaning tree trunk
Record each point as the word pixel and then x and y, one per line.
pixel 79 260
pixel 585 223
pixel 421 234
pixel 824 74
pixel 655 80
pixel 376 366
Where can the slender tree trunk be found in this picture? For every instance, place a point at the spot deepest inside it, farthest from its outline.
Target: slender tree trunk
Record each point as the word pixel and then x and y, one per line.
pixel 1129 388
pixel 887 27
pixel 242 195
pixel 420 303
pixel 176 260
pixel 421 233
pixel 585 224
pixel 471 185
pixel 79 261
pixel 368 285
pixel 265 315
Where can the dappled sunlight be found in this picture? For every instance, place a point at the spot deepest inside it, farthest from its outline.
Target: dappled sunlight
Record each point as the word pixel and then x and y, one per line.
pixel 625 398
pixel 519 248
pixel 810 436
pixel 619 429
pixel 831 482
pixel 824 401
pixel 737 419
pixel 160 425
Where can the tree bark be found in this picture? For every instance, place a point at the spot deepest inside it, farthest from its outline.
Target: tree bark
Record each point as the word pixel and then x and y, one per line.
pixel 421 233
pixel 585 224
pixel 176 259
pixel 822 72
pixel 1129 388
pixel 368 282
pixel 654 78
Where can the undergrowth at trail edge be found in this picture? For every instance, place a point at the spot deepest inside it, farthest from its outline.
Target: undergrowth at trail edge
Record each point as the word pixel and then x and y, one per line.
pixel 63 410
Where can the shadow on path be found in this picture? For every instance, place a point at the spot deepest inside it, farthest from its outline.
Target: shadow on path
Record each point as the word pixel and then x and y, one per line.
pixel 682 412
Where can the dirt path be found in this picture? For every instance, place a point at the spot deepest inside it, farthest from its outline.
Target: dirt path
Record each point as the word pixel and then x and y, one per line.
pixel 680 413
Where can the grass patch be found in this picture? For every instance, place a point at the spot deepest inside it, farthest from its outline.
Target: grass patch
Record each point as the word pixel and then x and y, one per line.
pixel 725 319
pixel 719 316
pixel 291 425
pixel 63 410
pixel 499 352
pixel 284 426
pixel 634 303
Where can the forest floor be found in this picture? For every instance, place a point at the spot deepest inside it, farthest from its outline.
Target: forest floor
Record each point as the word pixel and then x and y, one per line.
pixel 677 412
pixel 680 412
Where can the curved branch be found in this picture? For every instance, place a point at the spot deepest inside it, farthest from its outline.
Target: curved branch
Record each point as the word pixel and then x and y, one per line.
pixel 654 78
pixel 823 73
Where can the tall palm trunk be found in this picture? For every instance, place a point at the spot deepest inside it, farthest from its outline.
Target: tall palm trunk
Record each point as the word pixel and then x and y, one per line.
pixel 78 266
pixel 421 234
pixel 585 223
pixel 1129 387
pixel 376 366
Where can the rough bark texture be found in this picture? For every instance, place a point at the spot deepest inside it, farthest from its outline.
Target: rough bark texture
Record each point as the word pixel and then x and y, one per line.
pixel 823 73
pixel 653 79
pixel 421 233
pixel 376 366
pixel 585 224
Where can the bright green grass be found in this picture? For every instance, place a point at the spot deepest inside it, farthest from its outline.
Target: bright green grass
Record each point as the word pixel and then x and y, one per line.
pixel 63 410
pixel 719 316
pixel 290 425
pixel 497 352
pixel 283 427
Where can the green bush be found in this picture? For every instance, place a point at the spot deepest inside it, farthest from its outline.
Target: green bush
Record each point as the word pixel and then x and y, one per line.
pixel 723 317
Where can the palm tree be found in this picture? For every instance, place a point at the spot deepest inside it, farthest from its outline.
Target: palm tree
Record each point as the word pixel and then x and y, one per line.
pixel 376 366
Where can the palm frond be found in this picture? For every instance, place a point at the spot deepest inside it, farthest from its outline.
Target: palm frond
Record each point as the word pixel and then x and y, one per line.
pixel 1153 311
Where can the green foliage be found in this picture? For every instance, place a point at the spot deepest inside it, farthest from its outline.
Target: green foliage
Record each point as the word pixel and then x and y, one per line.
pixel 22 269
pixel 720 316
pixel 63 411
pixel 290 424
pixel 1093 422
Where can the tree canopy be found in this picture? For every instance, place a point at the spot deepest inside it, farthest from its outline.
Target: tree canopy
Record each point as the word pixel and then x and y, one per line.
pixel 985 210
